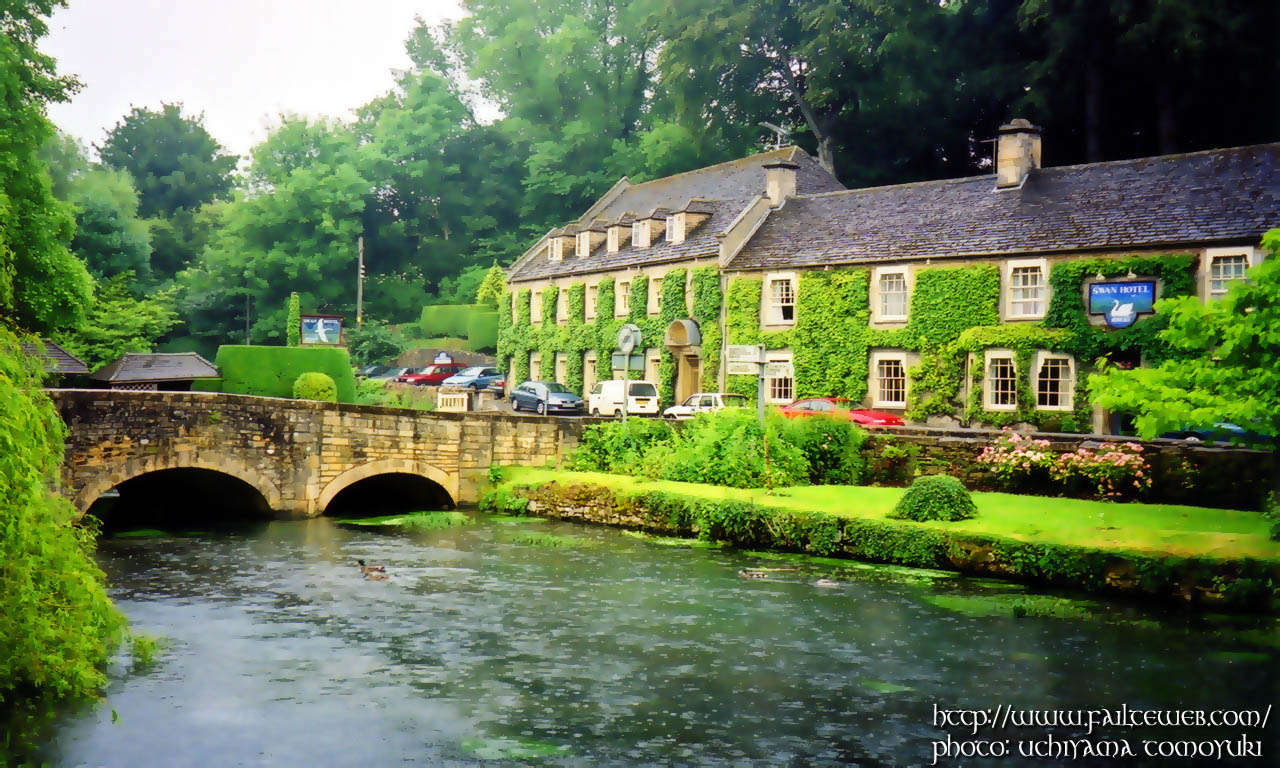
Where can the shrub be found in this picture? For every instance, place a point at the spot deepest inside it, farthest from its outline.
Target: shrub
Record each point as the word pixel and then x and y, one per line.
pixel 1114 471
pixel 832 448
pixel 315 386
pixel 392 395
pixel 935 497
pixel 271 371
pixel 293 331
pixel 618 446
pixel 728 448
pixel 1017 460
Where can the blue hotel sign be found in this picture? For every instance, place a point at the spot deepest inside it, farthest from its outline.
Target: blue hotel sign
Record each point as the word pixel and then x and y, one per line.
pixel 1122 302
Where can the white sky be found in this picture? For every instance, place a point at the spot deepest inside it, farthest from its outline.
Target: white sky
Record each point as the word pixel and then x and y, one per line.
pixel 240 62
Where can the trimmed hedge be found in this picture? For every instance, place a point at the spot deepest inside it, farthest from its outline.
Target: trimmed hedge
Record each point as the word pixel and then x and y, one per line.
pixel 315 386
pixel 445 319
pixel 271 371
pixel 482 331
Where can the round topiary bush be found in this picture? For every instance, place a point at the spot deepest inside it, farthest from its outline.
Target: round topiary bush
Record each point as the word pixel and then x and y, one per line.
pixel 315 386
pixel 935 497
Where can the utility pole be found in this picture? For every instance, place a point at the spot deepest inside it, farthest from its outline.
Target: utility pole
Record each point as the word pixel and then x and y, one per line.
pixel 360 283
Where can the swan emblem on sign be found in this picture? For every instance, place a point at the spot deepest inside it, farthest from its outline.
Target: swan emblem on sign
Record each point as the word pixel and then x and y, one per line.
pixel 1120 313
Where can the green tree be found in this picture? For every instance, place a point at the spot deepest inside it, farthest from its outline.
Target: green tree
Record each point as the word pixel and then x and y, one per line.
pixel 174 162
pixel 1226 366
pixel 57 625
pixel 293 331
pixel 119 322
pixel 493 286
pixel 42 285
pixel 375 342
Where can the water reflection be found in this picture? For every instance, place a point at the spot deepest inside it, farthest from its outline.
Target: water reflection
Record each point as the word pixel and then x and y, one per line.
pixel 483 649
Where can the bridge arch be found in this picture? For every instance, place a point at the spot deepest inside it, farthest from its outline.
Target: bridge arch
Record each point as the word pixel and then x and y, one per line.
pixel 446 480
pixel 214 462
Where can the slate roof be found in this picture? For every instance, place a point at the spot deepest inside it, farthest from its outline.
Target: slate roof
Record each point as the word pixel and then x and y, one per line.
pixel 135 367
pixel 724 190
pixel 57 359
pixel 1197 198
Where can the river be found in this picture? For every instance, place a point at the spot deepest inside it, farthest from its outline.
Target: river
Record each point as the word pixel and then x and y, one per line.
pixel 498 643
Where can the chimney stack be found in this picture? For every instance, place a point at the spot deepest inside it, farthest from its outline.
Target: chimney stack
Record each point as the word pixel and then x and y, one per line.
pixel 780 181
pixel 1017 152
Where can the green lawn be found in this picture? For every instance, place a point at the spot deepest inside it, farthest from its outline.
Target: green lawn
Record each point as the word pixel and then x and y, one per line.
pixel 1139 528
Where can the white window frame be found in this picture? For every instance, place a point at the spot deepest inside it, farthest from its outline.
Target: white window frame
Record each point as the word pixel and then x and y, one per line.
pixel 1066 395
pixel 535 307
pixel 988 401
pixel 622 299
pixel 562 307
pixel 877 294
pixel 535 362
pixel 583 243
pixel 652 365
pixel 1252 258
pixel 874 385
pixel 773 310
pixel 562 367
pixel 675 228
pixel 655 294
pixel 772 386
pixel 555 250
pixel 588 372
pixel 640 234
pixel 1010 302
pixel 615 239
pixel 591 299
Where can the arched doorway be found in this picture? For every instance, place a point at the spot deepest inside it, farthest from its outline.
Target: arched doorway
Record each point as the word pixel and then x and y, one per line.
pixel 684 340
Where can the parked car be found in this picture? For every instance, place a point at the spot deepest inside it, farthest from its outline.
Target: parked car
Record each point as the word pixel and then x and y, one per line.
pixel 840 408
pixel 498 387
pixel 476 377
pixel 606 398
pixel 371 371
pixel 1223 433
pixel 545 397
pixel 703 402
pixel 390 374
pixel 432 374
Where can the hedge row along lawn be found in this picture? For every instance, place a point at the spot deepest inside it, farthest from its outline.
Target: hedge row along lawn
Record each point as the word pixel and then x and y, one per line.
pixel 1149 529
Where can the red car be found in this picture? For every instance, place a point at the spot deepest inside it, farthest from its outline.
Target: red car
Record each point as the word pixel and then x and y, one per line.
pixel 432 374
pixel 839 407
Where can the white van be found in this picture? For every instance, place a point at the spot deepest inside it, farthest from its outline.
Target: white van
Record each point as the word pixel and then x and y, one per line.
pixel 606 398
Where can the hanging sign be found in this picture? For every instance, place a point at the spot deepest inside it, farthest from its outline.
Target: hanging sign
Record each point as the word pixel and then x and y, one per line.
pixel 781 370
pixel 321 329
pixel 1121 302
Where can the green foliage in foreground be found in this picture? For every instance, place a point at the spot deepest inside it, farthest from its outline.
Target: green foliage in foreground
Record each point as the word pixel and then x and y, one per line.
pixel 315 386
pixel 57 625
pixel 293 321
pixel 391 395
pixel 271 371
pixel 935 497
pixel 727 448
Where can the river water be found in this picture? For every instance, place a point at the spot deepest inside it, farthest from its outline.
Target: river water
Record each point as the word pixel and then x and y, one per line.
pixel 497 644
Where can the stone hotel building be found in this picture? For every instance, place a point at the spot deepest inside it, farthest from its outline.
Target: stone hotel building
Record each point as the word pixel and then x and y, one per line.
pixel 983 300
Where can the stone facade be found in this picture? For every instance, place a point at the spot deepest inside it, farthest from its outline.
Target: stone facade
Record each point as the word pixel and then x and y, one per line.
pixel 298 454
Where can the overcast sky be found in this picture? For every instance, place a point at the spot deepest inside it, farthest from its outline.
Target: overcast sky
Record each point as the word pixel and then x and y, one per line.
pixel 240 62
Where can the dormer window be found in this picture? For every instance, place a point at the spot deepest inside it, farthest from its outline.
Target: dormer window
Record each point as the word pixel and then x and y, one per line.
pixel 675 228
pixel 556 250
pixel 615 235
pixel 640 234
pixel 584 245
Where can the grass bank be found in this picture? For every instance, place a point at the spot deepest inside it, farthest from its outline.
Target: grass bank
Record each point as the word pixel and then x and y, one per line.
pixel 1191 554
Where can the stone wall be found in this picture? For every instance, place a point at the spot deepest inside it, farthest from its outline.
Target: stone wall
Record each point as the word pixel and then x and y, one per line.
pixel 299 454
pixel 1184 473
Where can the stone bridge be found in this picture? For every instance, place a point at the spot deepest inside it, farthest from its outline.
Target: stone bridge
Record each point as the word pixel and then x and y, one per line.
pixel 297 455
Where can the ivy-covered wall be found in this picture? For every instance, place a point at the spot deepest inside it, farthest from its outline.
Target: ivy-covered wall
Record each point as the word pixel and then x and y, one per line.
pixel 517 339
pixel 954 312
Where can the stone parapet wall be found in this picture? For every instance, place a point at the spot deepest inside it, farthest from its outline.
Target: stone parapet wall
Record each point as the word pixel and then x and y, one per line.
pixel 297 453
